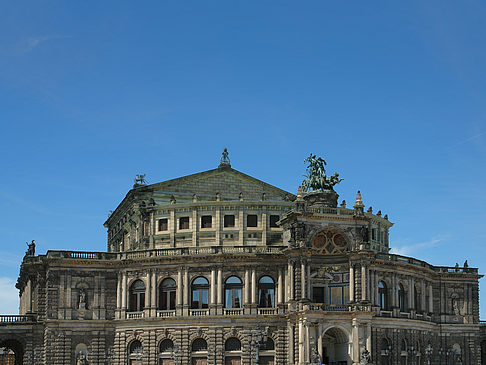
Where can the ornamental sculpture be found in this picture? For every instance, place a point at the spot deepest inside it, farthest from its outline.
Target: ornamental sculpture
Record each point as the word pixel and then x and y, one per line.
pixel 316 178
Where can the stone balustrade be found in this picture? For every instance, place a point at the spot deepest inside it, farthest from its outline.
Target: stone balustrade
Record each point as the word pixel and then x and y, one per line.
pixel 16 318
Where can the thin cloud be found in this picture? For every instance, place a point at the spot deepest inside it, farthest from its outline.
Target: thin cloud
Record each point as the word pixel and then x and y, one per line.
pixel 415 248
pixel 467 140
pixel 32 42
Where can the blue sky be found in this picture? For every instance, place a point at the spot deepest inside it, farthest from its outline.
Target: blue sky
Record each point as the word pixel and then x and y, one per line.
pixel 391 94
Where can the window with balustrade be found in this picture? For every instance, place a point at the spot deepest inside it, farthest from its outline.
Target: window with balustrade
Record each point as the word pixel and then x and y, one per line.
pixel 266 292
pixel 200 293
pixel 382 296
pixel 401 298
pixel 167 294
pixel 137 296
pixel 232 292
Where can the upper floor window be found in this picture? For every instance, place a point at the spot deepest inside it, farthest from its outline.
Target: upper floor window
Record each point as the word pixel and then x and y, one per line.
pixel 229 221
pixel 232 344
pixel 416 298
pixel 184 223
pixel 199 344
pixel 339 294
pixel 206 221
pixel 166 346
pixel 401 298
pixel 266 292
pixel 167 294
pixel 200 293
pixel 163 224
pixel 382 296
pixel 273 221
pixel 232 288
pixel 252 220
pixel 137 296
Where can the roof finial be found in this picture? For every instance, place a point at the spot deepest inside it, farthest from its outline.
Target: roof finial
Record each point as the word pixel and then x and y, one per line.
pixel 224 160
pixel 358 206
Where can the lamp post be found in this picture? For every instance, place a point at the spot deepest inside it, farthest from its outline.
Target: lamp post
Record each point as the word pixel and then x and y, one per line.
pixel 257 339
pixel 428 353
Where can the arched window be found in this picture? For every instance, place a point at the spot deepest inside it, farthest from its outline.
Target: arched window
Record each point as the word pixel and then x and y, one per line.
pixel 382 296
pixel 135 353
pixel 232 344
pixel 200 293
pixel 416 298
pixel 232 292
pixel 166 346
pixel 267 345
pixel 80 353
pixel 385 351
pixel 266 292
pixel 137 296
pixel 167 294
pixel 199 344
pixel 267 352
pixel 401 298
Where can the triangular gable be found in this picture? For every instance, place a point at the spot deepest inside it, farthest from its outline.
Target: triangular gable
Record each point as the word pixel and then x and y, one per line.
pixel 229 183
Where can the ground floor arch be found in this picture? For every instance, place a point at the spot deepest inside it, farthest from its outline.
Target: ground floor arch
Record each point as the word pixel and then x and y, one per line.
pixel 11 352
pixel 334 346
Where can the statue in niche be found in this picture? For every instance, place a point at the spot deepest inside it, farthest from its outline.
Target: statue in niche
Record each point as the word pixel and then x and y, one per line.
pixel 365 357
pixel 455 305
pixel 82 360
pixel 82 300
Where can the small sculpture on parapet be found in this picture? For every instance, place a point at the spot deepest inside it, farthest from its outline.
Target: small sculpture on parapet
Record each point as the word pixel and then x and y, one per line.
pixel 140 179
pixel 30 249
pixel 316 178
pixel 224 161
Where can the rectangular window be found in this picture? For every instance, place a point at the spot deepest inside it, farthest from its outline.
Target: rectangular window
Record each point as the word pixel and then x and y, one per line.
pixel 206 221
pixel 184 223
pixel 273 220
pixel 229 221
pixel 251 220
pixel 336 295
pixel 318 294
pixel 163 224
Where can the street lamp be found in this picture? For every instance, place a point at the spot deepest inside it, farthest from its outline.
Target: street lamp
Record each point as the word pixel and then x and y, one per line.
pixel 428 353
pixel 257 339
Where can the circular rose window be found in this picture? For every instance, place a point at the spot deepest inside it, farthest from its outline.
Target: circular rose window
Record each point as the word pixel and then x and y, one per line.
pixel 329 242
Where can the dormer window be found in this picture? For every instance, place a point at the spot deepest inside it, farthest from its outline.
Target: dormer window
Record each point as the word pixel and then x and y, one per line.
pixel 184 223
pixel 206 221
pixel 163 224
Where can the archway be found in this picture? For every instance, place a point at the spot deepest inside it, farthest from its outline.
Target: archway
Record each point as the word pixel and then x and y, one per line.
pixel 11 352
pixel 335 343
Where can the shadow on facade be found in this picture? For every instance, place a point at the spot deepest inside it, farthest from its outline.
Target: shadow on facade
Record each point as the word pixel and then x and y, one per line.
pixel 12 352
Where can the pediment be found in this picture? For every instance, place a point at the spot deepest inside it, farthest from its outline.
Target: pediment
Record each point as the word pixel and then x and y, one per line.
pixel 226 182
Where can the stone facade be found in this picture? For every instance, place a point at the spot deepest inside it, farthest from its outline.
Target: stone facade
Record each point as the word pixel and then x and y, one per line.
pixel 221 268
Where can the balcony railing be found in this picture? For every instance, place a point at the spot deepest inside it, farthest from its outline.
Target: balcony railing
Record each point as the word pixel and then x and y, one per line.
pixel 134 315
pixel 166 314
pixel 199 312
pixel 16 318
pixel 267 311
pixel 233 311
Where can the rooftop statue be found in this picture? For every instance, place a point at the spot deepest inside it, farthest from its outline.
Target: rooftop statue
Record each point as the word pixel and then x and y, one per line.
pixel 224 161
pixel 316 178
pixel 140 179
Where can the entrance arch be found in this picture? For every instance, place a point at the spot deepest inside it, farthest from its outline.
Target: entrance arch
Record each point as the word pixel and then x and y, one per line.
pixel 11 352
pixel 335 345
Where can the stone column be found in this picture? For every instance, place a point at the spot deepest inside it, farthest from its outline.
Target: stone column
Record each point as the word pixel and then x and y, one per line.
pixel 124 291
pixel 351 283
pixel 309 293
pixel 241 226
pixel 290 329
pixel 153 303
pixel 319 341
pixel 302 279
pixel 119 295
pixel 411 294
pixel 180 292
pixel 307 341
pixel 364 281
pixel 355 342
pixel 279 287
pixel 217 226
pixel 376 288
pixel 148 297
pixel 423 305
pixel 301 343
pixel 213 308
pixel 195 227
pixel 371 286
pixel 185 302
pixel 368 337
pixel 264 228
pixel 172 228
pixel 291 280
pixel 220 290
pixel 247 288
pixel 253 289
